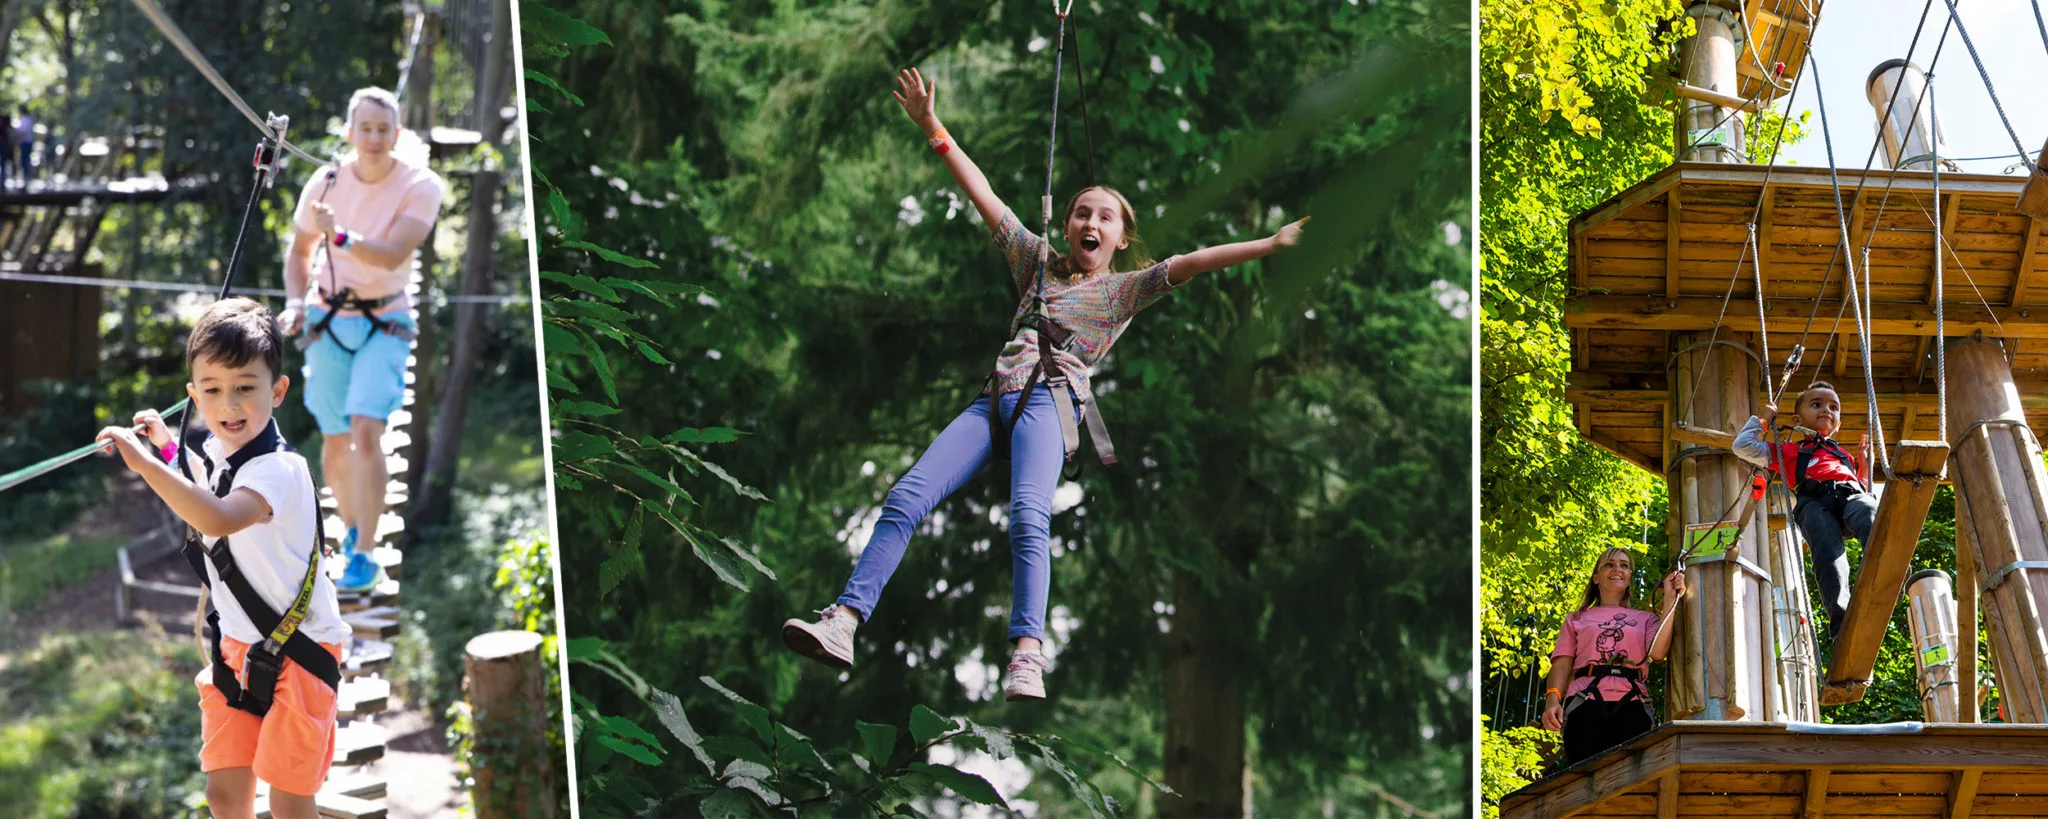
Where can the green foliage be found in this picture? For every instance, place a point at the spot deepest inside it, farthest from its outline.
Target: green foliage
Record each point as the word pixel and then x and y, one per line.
pixel 1508 760
pixel 776 769
pixel 101 725
pixel 1294 432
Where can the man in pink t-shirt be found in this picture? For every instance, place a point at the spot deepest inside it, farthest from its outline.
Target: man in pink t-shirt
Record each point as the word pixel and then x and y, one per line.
pixel 356 229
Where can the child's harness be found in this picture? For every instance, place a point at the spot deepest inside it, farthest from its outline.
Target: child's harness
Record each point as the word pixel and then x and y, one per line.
pixel 265 661
pixel 1052 338
pixel 1812 447
pixel 340 298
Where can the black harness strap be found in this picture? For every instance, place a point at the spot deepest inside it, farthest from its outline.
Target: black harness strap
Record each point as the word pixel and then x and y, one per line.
pixel 265 661
pixel 340 298
pixel 1600 671
pixel 1814 446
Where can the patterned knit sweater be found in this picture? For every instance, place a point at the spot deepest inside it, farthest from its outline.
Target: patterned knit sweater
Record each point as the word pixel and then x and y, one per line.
pixel 1096 310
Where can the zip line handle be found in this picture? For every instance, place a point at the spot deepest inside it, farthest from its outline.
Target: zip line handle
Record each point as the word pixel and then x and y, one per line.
pixel 1062 12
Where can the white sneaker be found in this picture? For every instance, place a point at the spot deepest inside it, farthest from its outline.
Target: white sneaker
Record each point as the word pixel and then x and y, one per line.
pixel 829 641
pixel 1027 676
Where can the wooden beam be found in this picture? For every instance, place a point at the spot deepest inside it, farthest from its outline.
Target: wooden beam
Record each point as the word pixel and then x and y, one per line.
pixel 1815 805
pixel 1608 312
pixel 2034 197
pixel 1616 773
pixel 1703 436
pixel 1624 202
pixel 1966 624
pixel 1920 360
pixel 1672 224
pixel 1722 173
pixel 1912 414
pixel 2029 262
pixel 1667 794
pixel 1763 237
pixel 1946 242
pixel 1962 794
pixel 1882 577
pixel 1841 362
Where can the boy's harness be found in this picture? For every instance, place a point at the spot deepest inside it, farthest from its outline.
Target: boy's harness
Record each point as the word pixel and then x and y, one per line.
pixel 1812 447
pixel 265 661
pixel 1052 338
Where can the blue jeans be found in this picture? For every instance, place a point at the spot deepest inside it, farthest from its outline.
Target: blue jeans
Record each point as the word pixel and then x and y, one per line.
pixel 1036 454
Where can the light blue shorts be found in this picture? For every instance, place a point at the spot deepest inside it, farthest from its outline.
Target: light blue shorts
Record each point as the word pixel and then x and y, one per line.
pixel 369 382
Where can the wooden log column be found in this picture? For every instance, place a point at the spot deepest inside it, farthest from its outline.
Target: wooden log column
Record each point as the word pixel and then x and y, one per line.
pixel 2002 500
pixel 1797 667
pixel 1930 624
pixel 515 771
pixel 1722 665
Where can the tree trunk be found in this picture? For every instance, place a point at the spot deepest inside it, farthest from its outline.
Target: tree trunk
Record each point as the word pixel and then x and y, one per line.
pixel 417 100
pixel 477 266
pixel 1205 705
pixel 10 16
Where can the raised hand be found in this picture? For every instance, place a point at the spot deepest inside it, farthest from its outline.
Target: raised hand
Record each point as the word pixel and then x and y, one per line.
pixel 919 98
pixel 1290 235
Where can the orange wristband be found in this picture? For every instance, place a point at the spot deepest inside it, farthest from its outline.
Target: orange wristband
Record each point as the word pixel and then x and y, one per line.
pixel 940 142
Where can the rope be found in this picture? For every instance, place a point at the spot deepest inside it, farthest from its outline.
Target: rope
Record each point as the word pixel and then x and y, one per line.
pixel 170 30
pixel 1989 88
pixel 1889 108
pixel 40 468
pixel 186 287
pixel 1051 144
pixel 1855 301
pixel 2041 24
pixel 412 49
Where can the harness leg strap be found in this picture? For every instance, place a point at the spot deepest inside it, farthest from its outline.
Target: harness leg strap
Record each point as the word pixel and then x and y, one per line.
pixel 1063 400
pixel 1098 432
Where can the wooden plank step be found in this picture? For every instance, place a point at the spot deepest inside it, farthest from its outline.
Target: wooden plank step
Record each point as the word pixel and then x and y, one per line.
pixel 363 696
pixel 358 743
pixel 366 656
pixel 375 623
pixel 390 522
pixel 392 499
pixel 1881 578
pixel 386 594
pixel 334 806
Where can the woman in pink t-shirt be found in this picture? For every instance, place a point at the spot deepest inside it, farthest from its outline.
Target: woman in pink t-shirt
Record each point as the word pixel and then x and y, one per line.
pixel 1596 695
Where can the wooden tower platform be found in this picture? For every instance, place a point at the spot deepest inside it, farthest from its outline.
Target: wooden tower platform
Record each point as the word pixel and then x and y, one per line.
pixel 1656 260
pixel 1756 769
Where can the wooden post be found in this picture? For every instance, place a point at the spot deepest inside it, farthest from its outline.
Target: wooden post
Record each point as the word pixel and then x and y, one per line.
pixel 1797 666
pixel 1725 665
pixel 515 772
pixel 2000 497
pixel 1966 623
pixel 1930 626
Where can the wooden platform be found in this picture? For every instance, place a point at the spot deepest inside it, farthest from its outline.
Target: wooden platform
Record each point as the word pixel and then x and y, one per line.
pixel 1657 259
pixel 1774 770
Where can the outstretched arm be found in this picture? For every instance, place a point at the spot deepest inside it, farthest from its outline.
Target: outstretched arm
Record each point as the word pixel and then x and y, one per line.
pixel 1187 265
pixel 918 96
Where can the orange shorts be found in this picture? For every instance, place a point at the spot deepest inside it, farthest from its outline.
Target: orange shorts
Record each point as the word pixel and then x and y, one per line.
pixel 291 747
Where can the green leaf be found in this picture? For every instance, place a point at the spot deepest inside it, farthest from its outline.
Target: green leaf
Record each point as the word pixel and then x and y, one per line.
pixel 651 354
pixel 631 730
pixel 733 482
pixel 670 711
pixel 572 445
pixel 583 283
pixel 726 804
pixel 966 785
pixel 610 255
pixel 658 291
pixel 926 724
pixel 560 342
pixel 548 81
pixel 994 740
pixel 748 769
pixel 615 570
pixel 547 25
pixel 588 409
pixel 704 435
pixel 639 753
pixel 753 715
pixel 741 551
pixel 880 742
pixel 557 382
pixel 657 480
pixel 1084 793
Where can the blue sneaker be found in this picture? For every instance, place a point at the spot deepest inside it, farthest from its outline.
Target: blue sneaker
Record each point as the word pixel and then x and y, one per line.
pixel 362 573
pixel 348 541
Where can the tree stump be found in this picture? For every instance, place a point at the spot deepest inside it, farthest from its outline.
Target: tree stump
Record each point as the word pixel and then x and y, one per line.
pixel 513 764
